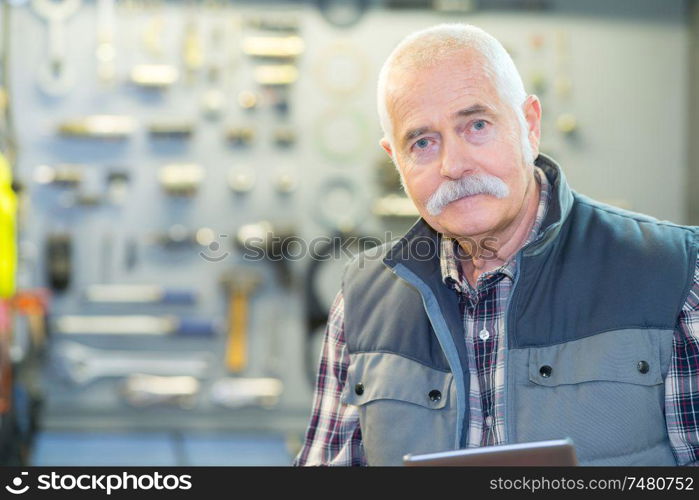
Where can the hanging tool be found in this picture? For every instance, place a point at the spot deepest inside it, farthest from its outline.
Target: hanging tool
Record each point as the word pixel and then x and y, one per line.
pixel 114 127
pixel 144 391
pixel 279 99
pixel 152 34
pixel 213 103
pixel 29 309
pixel 247 100
pixel 181 179
pixel 284 137
pixel 58 261
pixel 118 186
pixel 81 364
pixel 178 235
pixel 171 129
pixel 33 304
pixel 285 180
pixel 154 76
pixel 139 294
pixel 240 136
pixel 214 98
pixel 192 51
pixel 279 23
pixel 241 179
pixel 88 200
pixel 567 124
pixel 286 47
pixel 238 392
pixel 59 175
pixel 54 77
pixel 239 285
pixel 134 325
pixel 276 74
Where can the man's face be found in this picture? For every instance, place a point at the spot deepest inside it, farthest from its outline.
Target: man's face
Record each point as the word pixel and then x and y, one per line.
pixel 449 122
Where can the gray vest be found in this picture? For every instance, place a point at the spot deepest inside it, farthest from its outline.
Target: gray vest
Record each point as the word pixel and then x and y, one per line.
pixel 596 298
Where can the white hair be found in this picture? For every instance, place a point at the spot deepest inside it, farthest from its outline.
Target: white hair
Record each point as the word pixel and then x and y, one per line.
pixel 428 47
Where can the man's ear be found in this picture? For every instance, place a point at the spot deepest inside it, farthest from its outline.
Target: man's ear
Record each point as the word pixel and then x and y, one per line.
pixel 386 145
pixel 532 115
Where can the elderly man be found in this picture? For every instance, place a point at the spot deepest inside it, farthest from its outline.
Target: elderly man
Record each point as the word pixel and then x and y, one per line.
pixel 515 309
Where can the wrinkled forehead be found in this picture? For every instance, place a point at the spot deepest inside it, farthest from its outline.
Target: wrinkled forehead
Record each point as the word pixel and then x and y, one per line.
pixel 440 86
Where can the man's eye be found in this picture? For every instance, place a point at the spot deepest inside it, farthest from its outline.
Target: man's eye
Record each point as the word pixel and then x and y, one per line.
pixel 479 124
pixel 422 143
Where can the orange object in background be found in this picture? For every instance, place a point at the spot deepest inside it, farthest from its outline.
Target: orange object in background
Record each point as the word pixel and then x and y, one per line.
pixel 33 304
pixel 30 303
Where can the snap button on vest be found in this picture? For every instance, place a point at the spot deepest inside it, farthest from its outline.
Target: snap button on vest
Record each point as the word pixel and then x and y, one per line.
pixel 359 389
pixel 435 395
pixel 643 366
pixel 545 371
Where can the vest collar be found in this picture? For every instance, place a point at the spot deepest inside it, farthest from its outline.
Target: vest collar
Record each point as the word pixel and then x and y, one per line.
pixel 418 249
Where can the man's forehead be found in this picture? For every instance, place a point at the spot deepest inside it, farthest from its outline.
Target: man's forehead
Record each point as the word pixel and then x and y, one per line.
pixel 467 62
pixel 438 82
pixel 416 106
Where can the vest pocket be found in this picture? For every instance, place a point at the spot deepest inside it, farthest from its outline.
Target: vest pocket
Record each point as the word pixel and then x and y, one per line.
pixel 606 392
pixel 620 356
pixel 404 406
pixel 375 376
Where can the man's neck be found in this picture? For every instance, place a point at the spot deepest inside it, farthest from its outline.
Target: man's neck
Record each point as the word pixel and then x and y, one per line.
pixel 504 243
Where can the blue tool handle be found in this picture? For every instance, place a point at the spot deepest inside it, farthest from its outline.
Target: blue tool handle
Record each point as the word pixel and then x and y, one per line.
pixel 196 327
pixel 178 297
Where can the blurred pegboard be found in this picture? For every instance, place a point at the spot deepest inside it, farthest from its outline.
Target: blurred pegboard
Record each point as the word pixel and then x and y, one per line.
pixel 614 92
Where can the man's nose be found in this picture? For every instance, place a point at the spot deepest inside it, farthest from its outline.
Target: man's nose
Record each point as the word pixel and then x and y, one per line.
pixel 456 157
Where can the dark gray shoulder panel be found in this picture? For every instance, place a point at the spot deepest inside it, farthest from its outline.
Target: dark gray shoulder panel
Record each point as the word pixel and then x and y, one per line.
pixel 609 269
pixel 377 304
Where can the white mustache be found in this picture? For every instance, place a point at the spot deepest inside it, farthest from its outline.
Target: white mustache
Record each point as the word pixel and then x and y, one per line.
pixel 454 190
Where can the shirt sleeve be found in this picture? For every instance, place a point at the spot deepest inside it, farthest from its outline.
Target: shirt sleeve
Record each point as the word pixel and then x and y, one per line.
pixel 333 436
pixel 682 382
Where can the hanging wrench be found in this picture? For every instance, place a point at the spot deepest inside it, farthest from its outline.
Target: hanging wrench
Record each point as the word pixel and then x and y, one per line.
pixel 82 364
pixel 143 391
pixel 54 78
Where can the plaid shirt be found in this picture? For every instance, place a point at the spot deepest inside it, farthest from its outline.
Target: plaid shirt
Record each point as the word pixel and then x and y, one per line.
pixel 334 435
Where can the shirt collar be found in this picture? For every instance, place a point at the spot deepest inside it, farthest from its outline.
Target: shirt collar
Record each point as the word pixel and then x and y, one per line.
pixel 449 264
